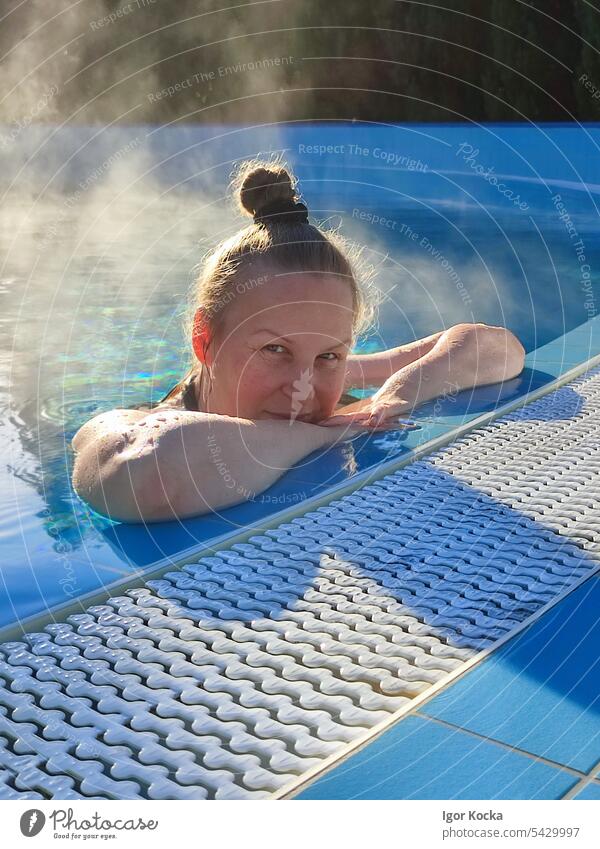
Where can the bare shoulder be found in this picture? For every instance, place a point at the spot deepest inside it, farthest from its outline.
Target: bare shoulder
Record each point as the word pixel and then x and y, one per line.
pixel 125 428
pixel 104 424
pixel 125 458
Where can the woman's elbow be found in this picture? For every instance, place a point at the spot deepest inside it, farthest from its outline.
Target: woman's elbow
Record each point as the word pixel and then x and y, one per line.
pixel 515 355
pixel 495 352
pixel 503 353
pixel 113 487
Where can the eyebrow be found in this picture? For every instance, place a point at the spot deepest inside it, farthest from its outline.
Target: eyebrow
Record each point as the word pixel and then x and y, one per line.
pixel 289 341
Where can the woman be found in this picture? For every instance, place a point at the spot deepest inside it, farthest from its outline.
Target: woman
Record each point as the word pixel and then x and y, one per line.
pixel 278 308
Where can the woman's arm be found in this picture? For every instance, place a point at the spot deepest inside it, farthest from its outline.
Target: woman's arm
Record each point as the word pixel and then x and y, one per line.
pixel 175 464
pixel 369 370
pixel 465 356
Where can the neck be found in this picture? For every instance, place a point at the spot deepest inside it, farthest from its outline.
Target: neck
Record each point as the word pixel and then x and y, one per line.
pixel 201 387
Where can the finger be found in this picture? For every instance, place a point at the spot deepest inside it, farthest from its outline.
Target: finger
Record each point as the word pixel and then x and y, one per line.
pixel 388 424
pixel 366 422
pixel 377 416
pixel 381 410
pixel 350 418
pixel 393 423
pixel 398 424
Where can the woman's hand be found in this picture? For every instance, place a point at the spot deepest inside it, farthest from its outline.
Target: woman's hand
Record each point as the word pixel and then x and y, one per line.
pixel 382 411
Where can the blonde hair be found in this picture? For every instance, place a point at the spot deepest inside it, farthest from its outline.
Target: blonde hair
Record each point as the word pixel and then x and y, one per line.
pixel 275 245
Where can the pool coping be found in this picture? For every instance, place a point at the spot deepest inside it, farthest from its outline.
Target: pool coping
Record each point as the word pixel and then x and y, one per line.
pixel 98 595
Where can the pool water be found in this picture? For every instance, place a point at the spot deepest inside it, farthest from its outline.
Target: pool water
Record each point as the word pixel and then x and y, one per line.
pixel 102 229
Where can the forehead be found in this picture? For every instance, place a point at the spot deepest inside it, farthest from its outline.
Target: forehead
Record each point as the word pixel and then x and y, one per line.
pixel 293 303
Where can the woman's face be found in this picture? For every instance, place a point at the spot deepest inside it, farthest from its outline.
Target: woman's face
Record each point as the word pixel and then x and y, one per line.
pixel 281 349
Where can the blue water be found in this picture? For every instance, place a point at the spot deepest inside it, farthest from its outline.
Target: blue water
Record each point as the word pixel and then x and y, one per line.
pixel 101 231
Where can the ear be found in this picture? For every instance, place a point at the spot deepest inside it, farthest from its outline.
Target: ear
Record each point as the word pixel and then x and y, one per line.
pixel 200 335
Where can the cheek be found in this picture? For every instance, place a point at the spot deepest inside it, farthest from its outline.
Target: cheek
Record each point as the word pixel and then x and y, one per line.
pixel 330 391
pixel 255 378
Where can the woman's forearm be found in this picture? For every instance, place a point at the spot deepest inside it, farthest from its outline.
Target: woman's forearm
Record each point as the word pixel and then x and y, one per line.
pixel 368 370
pixel 195 463
pixel 463 357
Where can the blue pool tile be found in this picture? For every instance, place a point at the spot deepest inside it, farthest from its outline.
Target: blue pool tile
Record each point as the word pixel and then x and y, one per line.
pixel 552 368
pixel 420 759
pixel 592 791
pixel 585 339
pixel 563 353
pixel 570 356
pixel 541 691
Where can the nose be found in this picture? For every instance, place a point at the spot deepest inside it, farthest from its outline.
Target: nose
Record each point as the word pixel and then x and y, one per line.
pixel 299 392
pixel 299 385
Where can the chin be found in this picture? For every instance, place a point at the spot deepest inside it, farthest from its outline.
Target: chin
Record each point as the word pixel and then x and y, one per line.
pixel 278 416
pixel 288 417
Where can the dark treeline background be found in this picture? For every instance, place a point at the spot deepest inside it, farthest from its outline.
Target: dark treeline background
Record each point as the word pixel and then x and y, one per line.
pixel 273 60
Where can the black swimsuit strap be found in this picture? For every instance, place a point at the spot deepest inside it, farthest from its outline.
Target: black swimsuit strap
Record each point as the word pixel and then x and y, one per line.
pixel 189 396
pixel 186 388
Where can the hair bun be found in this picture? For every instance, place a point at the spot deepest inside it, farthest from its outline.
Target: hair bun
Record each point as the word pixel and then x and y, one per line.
pixel 265 187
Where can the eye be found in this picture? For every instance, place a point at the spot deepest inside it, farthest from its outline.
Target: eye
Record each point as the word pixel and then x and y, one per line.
pixel 329 356
pixel 267 347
